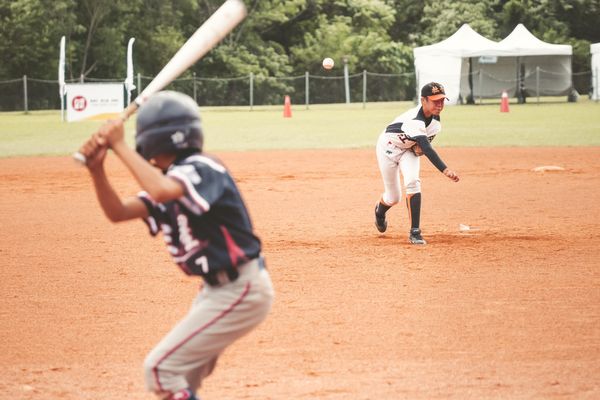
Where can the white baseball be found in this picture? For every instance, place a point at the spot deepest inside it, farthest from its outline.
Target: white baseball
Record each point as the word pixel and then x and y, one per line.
pixel 328 63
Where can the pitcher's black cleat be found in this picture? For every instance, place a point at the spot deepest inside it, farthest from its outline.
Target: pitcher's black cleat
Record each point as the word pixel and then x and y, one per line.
pixel 415 236
pixel 380 222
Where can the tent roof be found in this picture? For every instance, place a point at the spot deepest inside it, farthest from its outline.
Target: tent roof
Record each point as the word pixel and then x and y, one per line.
pixel 521 42
pixel 595 48
pixel 465 42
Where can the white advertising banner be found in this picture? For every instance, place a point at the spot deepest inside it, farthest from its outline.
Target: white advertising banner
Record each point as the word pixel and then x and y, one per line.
pixel 94 101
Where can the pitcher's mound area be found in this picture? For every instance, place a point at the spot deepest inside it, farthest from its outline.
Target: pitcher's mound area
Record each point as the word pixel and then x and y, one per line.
pixel 506 309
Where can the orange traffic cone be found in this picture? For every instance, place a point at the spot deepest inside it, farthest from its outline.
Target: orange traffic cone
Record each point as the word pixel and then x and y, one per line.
pixel 287 107
pixel 504 102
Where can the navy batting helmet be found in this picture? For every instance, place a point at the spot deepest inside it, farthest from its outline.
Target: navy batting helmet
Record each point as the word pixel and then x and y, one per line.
pixel 168 123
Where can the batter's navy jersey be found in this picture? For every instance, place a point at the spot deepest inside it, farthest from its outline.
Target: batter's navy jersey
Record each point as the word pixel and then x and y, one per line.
pixel 207 229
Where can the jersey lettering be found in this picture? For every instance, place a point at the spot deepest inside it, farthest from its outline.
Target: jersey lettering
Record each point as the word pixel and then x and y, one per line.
pixel 166 229
pixel 401 133
pixel 191 173
pixel 202 262
pixel 185 233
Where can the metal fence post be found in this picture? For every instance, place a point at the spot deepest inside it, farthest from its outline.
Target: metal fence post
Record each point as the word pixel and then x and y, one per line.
pixel 306 88
pixel 364 88
pixel 139 86
pixel 25 106
pixel 346 80
pixel 251 90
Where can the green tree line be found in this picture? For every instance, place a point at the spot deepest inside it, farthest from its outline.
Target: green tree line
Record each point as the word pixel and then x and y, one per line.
pixel 278 38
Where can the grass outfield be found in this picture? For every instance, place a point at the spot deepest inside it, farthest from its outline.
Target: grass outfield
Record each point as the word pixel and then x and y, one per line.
pixel 330 126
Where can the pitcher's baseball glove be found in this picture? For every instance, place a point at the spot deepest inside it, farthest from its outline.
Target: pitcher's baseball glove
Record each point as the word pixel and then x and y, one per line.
pixel 417 150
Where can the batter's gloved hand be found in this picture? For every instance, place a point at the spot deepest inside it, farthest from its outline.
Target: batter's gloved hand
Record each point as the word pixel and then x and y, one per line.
pixel 452 175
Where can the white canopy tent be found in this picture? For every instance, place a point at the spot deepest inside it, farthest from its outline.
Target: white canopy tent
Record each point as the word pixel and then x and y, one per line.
pixel 443 62
pixel 469 65
pixel 595 50
pixel 539 68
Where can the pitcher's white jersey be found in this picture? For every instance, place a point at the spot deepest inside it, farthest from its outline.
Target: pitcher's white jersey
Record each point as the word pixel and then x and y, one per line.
pixel 400 132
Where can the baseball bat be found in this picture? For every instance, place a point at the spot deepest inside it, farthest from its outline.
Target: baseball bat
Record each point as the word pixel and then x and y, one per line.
pixel 207 36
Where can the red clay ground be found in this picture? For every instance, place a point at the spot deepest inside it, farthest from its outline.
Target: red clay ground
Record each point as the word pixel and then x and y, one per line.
pixel 508 310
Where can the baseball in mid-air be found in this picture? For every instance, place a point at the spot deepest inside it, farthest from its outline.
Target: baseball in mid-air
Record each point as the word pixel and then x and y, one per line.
pixel 328 63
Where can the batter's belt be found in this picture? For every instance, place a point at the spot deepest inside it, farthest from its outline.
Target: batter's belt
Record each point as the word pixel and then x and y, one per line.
pixel 230 274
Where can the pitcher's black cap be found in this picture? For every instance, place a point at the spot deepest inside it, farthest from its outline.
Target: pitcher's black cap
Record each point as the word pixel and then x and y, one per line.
pixel 434 91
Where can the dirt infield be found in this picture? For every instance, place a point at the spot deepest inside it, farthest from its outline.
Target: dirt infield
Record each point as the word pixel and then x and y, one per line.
pixel 507 310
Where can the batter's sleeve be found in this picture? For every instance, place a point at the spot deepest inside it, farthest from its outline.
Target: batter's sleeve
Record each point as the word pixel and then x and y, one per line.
pixel 429 152
pixel 203 184
pixel 154 213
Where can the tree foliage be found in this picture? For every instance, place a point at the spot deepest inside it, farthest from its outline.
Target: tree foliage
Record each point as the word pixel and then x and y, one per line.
pixel 278 38
pixel 355 31
pixel 30 32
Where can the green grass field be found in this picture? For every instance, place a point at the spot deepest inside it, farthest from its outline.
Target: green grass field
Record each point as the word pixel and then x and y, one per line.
pixel 330 126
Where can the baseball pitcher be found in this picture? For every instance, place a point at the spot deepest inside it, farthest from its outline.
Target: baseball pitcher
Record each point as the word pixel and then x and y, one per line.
pixel 193 201
pixel 398 149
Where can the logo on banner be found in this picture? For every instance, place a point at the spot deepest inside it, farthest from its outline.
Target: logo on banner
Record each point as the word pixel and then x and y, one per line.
pixel 79 103
pixel 89 101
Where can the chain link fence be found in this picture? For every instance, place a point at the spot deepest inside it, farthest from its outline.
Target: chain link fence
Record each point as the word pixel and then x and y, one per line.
pixel 480 84
pixel 25 94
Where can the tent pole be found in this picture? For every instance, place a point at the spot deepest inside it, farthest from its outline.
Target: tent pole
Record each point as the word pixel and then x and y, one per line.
pixel 518 86
pixel 537 83
pixel 480 85
pixel 471 97
pixel 596 88
pixel 417 88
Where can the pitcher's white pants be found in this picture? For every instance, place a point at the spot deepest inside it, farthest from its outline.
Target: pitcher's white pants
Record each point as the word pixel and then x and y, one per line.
pixel 393 161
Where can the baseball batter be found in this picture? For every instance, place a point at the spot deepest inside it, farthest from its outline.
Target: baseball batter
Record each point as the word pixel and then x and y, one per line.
pixel 398 149
pixel 193 201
